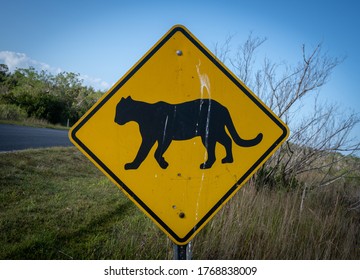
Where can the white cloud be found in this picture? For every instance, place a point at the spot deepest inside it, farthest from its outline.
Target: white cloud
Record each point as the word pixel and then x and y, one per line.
pixel 20 60
pixel 96 83
pixel 16 60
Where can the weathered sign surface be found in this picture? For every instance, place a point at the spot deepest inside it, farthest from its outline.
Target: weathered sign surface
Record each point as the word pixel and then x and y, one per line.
pixel 179 134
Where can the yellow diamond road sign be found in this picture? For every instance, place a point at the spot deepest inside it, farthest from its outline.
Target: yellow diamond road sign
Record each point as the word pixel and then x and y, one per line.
pixel 179 134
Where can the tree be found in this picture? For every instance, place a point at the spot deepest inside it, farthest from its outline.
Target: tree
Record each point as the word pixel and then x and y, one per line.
pixel 320 139
pixel 4 72
pixel 4 79
pixel 59 99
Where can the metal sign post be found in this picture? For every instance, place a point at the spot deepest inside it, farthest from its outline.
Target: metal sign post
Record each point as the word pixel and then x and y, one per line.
pixel 182 252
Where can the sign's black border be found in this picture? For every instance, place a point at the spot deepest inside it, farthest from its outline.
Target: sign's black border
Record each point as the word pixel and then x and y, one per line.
pixel 126 188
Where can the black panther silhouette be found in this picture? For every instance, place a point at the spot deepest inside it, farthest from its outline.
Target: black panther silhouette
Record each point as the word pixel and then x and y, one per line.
pixel 163 122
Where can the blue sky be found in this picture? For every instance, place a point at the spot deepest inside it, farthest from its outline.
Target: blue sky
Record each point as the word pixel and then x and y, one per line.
pixel 101 40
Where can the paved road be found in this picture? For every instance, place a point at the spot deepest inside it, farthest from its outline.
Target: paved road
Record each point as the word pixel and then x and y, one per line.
pixel 14 137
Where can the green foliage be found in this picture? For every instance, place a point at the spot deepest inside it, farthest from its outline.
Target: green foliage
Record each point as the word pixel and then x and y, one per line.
pixel 11 112
pixel 4 72
pixel 54 98
pixel 275 178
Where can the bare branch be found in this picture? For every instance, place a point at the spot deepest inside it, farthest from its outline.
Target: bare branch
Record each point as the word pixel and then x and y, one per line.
pixel 317 139
pixel 222 52
pixel 244 58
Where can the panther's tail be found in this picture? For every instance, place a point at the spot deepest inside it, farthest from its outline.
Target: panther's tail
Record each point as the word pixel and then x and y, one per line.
pixel 237 139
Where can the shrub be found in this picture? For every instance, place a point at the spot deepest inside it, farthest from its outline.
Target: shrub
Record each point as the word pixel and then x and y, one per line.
pixel 276 179
pixel 12 112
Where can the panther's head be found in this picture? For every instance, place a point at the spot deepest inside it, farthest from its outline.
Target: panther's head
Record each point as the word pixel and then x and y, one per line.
pixel 123 109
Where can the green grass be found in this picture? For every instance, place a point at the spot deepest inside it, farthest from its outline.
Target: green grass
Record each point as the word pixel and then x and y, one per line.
pixel 57 205
pixel 32 122
pixel 54 204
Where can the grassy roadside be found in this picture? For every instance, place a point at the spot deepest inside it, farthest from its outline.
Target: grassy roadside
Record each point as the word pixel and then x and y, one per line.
pixel 34 123
pixel 54 204
pixel 271 225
